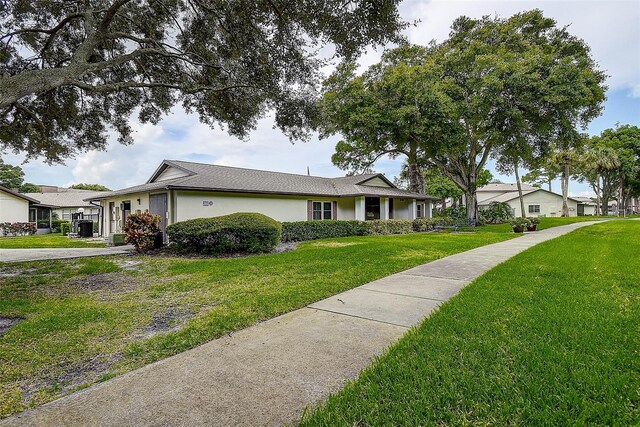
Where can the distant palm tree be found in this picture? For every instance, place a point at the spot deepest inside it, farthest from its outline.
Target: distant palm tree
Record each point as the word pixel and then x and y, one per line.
pixel 565 160
pixel 601 163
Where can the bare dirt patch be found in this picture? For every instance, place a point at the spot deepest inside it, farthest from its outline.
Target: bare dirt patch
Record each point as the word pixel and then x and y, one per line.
pixel 171 320
pixel 7 322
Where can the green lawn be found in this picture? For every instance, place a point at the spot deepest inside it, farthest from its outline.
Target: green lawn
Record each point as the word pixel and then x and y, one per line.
pixel 89 319
pixel 551 337
pixel 53 240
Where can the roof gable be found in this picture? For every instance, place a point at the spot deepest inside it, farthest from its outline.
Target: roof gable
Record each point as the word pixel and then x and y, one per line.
pixel 169 170
pixel 378 181
pixel 18 195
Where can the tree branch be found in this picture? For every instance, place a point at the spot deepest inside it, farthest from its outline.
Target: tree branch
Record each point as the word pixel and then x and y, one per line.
pixel 112 87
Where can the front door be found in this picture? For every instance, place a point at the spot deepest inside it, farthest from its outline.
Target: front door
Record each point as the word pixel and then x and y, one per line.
pixel 580 210
pixel 158 206
pixel 112 217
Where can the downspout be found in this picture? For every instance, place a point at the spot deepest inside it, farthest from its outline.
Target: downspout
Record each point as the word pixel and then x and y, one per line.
pixel 101 225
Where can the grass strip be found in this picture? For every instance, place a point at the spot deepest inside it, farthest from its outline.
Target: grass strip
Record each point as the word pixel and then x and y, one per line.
pixel 86 320
pixel 550 337
pixel 40 241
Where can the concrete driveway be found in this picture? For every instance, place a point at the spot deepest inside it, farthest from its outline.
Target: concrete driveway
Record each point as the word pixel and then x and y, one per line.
pixel 21 255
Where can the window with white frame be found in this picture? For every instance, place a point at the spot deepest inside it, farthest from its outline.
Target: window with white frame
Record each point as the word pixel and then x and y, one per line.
pixel 534 208
pixel 322 210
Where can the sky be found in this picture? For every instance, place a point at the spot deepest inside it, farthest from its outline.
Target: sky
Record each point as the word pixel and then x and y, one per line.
pixel 610 28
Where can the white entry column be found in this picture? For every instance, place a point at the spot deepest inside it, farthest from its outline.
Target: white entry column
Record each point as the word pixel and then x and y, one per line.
pixel 413 209
pixel 384 208
pixel 360 208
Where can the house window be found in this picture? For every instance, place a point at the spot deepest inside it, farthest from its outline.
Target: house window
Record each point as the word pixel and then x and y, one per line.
pixel 66 214
pixel 322 210
pixel 420 212
pixel 534 208
pixel 372 208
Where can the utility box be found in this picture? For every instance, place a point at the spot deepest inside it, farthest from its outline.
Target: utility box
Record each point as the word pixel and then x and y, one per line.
pixel 85 228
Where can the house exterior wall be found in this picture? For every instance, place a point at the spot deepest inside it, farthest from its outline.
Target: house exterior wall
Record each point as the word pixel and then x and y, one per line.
pixel 402 208
pixel 191 204
pixel 142 206
pixel 550 204
pixel 185 205
pixel 347 208
pixel 589 210
pixel 13 209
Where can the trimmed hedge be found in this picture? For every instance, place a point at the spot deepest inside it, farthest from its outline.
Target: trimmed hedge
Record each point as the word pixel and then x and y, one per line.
pixel 238 232
pixel 56 225
pixel 311 230
pixel 389 226
pixel 430 224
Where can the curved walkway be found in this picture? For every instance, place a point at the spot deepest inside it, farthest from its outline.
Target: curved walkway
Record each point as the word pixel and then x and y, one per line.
pixel 268 373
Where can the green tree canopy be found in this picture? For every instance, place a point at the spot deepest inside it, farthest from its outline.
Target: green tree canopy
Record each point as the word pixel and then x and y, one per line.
pixel 92 187
pixel 71 69
pixel 11 176
pixel 494 87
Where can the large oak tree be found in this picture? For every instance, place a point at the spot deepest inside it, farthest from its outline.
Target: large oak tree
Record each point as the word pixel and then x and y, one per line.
pixel 493 86
pixel 70 69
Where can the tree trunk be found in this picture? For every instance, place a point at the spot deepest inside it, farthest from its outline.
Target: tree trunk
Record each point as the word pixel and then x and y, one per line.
pixel 515 169
pixel 565 189
pixel 416 180
pixel 598 196
pixel 471 203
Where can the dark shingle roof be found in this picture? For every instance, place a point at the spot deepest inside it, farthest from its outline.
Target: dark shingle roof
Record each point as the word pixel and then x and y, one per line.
pixel 239 180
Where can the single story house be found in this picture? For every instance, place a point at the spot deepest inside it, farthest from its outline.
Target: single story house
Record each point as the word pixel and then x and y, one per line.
pixel 537 201
pixel 68 201
pixel 179 190
pixel 16 207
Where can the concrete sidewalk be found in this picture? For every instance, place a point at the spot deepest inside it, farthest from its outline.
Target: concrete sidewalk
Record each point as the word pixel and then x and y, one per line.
pixel 35 254
pixel 268 373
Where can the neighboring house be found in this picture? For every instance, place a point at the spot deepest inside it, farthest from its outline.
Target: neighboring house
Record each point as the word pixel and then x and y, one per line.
pixel 586 206
pixel 537 201
pixel 16 207
pixel 179 191
pixel 69 201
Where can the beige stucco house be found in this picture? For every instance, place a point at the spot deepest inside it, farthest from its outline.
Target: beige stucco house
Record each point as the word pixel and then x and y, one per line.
pixel 178 191
pixel 537 201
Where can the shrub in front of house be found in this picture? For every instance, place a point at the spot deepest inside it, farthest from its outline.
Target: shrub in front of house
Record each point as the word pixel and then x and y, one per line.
pixel 429 224
pixel 300 231
pixel 389 226
pixel 18 228
pixel 141 230
pixel 65 228
pixel 56 225
pixel 496 213
pixel 235 233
